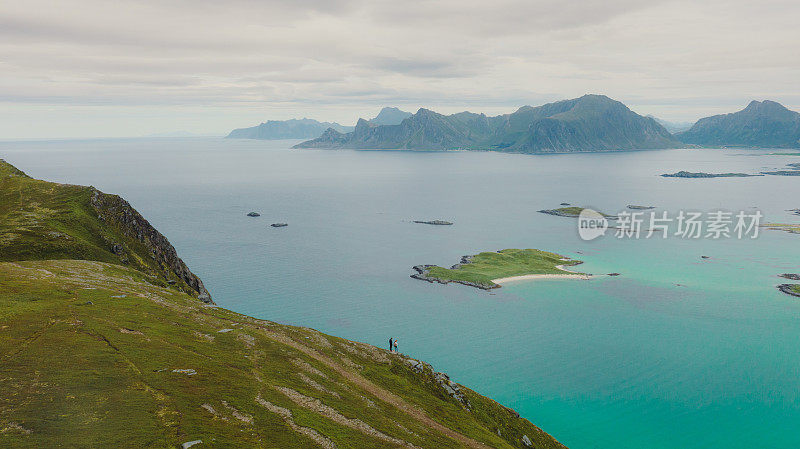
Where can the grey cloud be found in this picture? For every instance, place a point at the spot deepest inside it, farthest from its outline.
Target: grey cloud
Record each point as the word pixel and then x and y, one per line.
pixel 660 55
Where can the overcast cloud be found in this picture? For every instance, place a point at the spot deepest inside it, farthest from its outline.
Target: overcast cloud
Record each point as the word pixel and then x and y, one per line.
pixel 72 68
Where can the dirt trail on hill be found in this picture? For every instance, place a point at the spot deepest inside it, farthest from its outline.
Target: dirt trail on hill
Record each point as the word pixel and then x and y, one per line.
pixel 381 393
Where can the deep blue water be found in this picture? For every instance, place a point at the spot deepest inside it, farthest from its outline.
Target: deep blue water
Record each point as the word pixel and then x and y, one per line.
pixel 633 361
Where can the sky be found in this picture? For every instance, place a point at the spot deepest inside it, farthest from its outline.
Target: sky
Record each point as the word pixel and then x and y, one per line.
pixel 99 68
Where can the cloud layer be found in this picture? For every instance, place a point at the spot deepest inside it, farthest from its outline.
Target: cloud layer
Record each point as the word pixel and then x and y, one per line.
pixel 216 65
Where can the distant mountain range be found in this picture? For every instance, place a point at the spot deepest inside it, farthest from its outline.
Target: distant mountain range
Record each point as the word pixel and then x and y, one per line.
pixel 585 124
pixel 309 128
pixel 305 128
pixel 761 124
pixel 588 123
pixel 673 127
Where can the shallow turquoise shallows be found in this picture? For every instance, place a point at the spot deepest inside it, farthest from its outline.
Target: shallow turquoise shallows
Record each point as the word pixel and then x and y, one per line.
pixel 678 352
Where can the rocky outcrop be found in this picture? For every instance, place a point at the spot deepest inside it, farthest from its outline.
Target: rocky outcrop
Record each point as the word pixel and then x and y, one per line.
pixel 449 387
pixel 422 272
pixel 119 214
pixel 790 289
pixel 791 276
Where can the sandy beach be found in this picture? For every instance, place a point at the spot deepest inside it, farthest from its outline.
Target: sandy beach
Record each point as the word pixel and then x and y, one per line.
pixel 528 277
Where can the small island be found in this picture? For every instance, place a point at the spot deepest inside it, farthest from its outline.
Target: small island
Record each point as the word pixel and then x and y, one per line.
pixel 253 214
pixel 792 228
pixel 435 222
pixel 791 276
pixel 686 174
pixel 635 207
pixel 279 225
pixel 793 172
pixel 570 212
pixel 488 270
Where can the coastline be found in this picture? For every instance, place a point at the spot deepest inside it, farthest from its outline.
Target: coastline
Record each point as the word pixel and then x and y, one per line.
pixel 789 289
pixel 529 277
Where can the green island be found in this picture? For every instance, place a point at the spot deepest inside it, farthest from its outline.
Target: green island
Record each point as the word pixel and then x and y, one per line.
pixel 481 270
pixel 108 340
pixel 793 228
pixel 570 212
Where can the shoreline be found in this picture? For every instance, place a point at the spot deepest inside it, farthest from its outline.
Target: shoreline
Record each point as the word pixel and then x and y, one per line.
pixel 530 277
pixel 789 289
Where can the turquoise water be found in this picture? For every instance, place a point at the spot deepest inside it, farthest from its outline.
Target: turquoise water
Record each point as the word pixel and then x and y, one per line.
pixel 633 361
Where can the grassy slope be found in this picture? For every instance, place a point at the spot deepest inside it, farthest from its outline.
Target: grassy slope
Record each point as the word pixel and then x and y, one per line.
pixel 508 262
pixel 88 349
pixel 82 366
pixel 45 220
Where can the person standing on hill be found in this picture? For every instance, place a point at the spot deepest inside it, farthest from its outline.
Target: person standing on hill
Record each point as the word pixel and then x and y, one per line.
pixel 390 344
pixel 395 345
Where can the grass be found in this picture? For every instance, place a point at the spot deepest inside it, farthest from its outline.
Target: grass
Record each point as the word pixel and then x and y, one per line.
pixel 509 262
pixel 88 351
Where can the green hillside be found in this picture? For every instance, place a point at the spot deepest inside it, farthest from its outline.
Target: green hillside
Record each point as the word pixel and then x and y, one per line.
pixel 100 352
pixel 44 220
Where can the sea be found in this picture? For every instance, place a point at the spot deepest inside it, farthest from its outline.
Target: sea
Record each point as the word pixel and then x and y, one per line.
pixel 677 352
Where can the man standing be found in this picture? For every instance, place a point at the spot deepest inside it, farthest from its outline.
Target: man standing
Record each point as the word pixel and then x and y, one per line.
pixel 390 344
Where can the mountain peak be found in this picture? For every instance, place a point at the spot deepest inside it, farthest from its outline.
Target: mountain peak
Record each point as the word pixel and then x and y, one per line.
pixel 765 107
pixel 390 115
pixel 766 124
